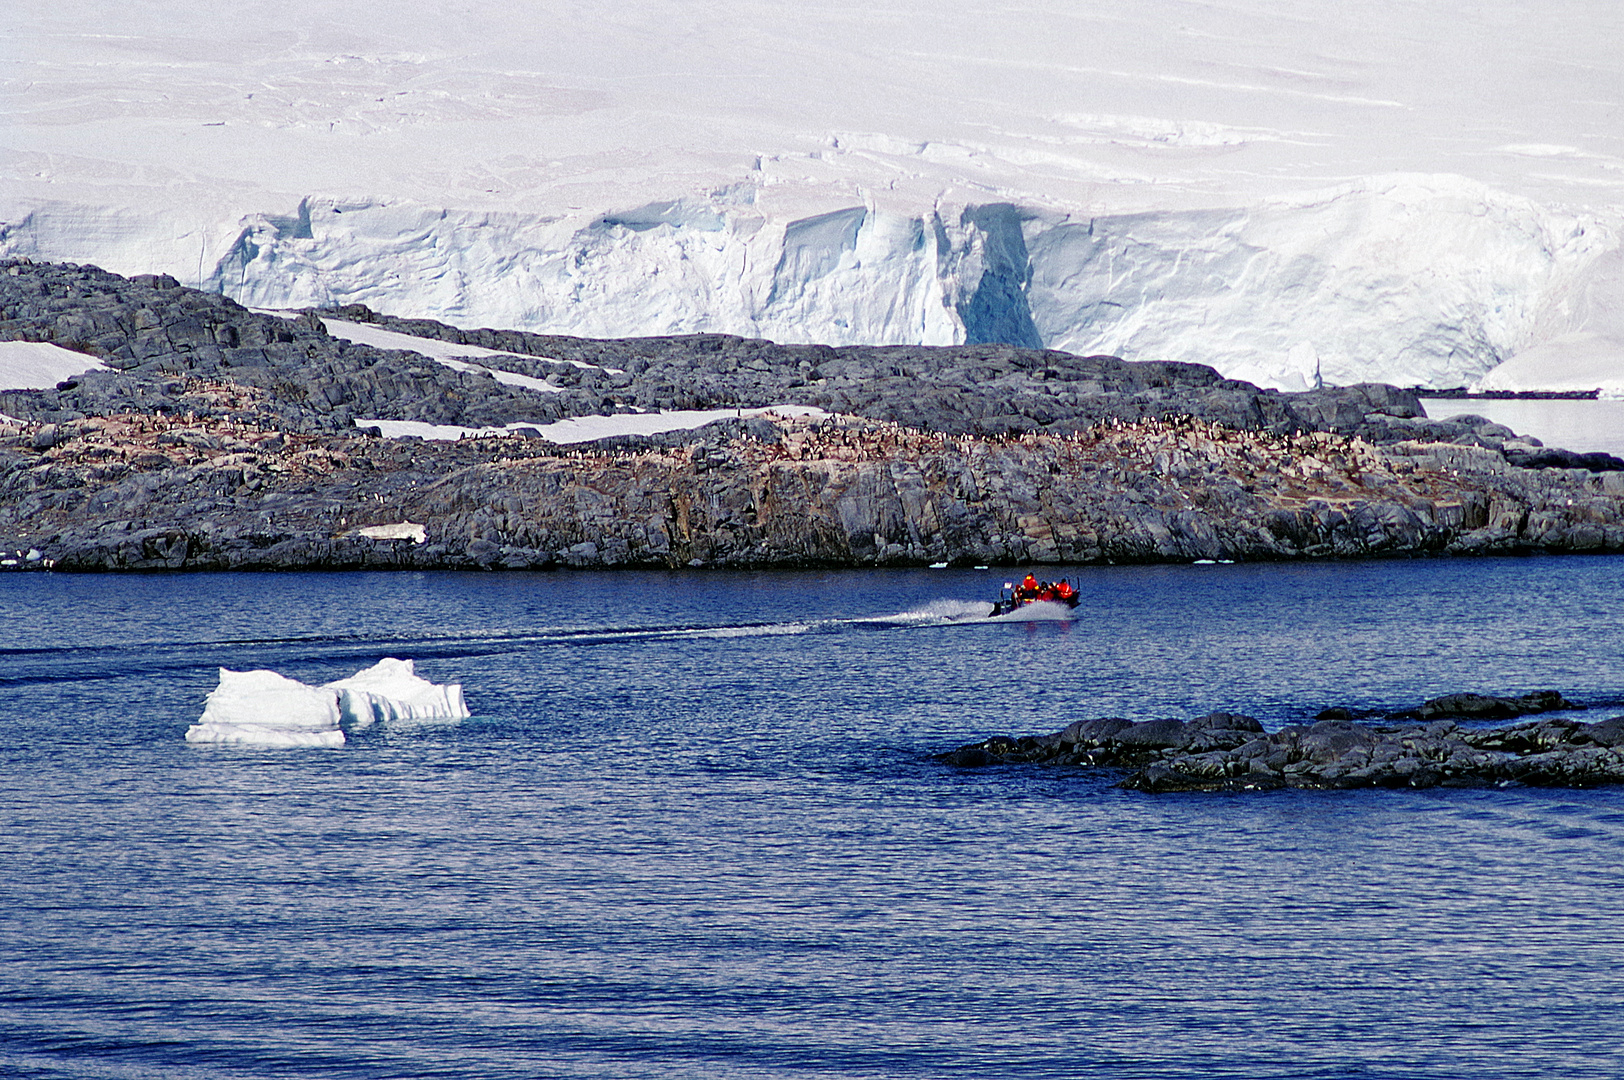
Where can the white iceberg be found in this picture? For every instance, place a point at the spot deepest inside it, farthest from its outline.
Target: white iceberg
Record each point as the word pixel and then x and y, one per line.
pixel 262 708
pixel 392 690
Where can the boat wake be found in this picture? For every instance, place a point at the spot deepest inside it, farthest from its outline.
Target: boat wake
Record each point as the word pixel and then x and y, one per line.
pixel 947 612
pixel 769 630
pixel 935 613
pixel 1039 611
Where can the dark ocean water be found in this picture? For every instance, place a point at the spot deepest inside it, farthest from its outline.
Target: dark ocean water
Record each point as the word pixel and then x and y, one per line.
pixel 694 830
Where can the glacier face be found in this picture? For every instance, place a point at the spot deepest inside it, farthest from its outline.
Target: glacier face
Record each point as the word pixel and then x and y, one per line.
pixel 1416 280
pixel 1409 279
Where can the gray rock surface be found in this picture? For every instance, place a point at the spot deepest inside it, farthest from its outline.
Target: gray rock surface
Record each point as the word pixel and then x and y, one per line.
pixel 831 493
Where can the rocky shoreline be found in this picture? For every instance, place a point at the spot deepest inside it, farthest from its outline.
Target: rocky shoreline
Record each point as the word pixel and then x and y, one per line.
pixel 225 439
pixel 1231 752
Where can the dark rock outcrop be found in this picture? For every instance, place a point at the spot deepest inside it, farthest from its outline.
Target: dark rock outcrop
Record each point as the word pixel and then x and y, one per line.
pixel 1227 752
pixel 1564 459
pixel 1487 707
pixel 817 493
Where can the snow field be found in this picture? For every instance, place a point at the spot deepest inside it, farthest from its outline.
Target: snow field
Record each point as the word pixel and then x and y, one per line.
pixel 1379 189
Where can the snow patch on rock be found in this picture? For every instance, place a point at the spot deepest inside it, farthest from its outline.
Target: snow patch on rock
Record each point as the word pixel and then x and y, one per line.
pixel 402 530
pixel 39 365
pixel 579 429
pixel 453 354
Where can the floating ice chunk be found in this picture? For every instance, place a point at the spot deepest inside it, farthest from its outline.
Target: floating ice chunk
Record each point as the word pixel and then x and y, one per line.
pixel 391 690
pixel 263 708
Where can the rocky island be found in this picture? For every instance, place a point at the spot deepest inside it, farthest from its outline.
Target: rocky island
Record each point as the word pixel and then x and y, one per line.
pixel 1435 745
pixel 214 437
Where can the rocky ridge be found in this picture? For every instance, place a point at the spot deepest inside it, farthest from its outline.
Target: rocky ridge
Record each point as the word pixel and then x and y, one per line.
pixel 226 439
pixel 157 334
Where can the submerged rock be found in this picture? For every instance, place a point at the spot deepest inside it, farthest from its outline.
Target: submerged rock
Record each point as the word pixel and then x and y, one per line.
pixel 1229 752
pixel 1486 707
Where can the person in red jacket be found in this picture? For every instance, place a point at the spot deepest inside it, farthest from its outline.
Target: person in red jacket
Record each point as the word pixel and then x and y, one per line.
pixel 1028 589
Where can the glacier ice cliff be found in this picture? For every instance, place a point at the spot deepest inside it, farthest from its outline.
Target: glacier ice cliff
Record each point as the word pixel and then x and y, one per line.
pixel 1340 195
pixel 1420 280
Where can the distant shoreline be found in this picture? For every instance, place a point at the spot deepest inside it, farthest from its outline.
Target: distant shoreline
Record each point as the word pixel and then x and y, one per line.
pixel 1509 395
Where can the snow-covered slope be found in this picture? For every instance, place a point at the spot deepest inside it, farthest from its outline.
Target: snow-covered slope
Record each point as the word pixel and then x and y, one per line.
pixel 1578 340
pixel 1375 189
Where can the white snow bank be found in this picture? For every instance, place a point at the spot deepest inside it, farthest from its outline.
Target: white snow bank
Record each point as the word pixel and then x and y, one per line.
pixel 401 530
pixel 392 690
pixel 39 365
pixel 819 172
pixel 449 353
pixel 1415 279
pixel 578 429
pixel 1577 361
pixel 262 708
pixel 1577 341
